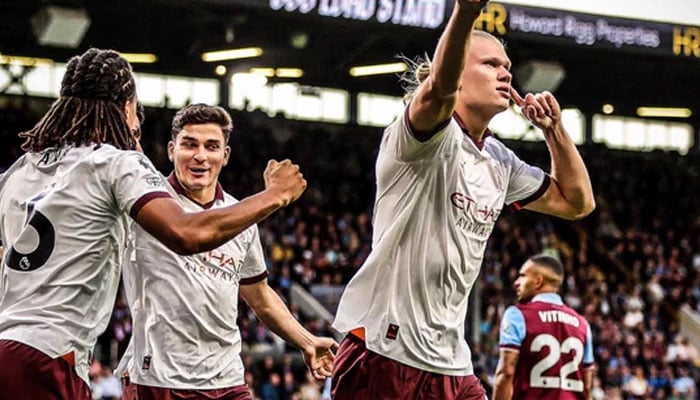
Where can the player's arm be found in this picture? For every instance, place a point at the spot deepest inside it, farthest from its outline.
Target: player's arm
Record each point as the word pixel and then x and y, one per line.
pixel 189 233
pixel 588 364
pixel 435 98
pixel 271 310
pixel 511 336
pixel 588 383
pixel 503 387
pixel 570 194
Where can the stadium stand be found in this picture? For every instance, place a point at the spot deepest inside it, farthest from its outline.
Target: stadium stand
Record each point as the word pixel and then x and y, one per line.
pixel 633 266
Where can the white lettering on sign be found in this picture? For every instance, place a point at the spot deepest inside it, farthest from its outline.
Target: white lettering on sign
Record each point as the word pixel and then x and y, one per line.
pixel 583 32
pixel 417 13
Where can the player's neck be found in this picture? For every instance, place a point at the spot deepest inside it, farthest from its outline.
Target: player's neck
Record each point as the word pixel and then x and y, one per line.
pixel 473 122
pixel 202 196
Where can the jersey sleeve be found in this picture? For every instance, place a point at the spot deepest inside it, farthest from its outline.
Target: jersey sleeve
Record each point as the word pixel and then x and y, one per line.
pixel 512 332
pixel 135 182
pixel 588 360
pixel 254 269
pixel 527 183
pixel 400 140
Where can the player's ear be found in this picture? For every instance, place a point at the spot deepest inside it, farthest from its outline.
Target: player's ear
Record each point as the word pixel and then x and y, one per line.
pixel 227 153
pixel 171 147
pixel 540 281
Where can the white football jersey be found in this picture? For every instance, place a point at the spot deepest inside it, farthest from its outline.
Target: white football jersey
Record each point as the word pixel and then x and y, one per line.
pixel 63 222
pixel 185 308
pixel 437 203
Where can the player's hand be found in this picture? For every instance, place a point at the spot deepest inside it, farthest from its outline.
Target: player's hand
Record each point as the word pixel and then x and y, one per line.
pixel 285 180
pixel 320 357
pixel 542 109
pixel 475 6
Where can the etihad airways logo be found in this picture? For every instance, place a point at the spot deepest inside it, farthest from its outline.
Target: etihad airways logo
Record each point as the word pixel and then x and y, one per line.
pixel 469 207
pixel 475 218
pixel 215 265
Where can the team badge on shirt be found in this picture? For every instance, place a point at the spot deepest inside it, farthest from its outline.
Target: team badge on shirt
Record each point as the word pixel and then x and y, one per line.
pixel 146 362
pixel 392 332
pixel 154 180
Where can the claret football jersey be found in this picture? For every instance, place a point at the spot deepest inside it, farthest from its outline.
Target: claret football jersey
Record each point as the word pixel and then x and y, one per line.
pixel 554 344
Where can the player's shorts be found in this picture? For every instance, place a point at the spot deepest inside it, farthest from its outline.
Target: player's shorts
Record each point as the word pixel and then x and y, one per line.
pixel 128 389
pixel 362 374
pixel 156 393
pixel 28 374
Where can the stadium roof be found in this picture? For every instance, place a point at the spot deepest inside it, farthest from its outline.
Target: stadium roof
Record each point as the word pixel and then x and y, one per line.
pixel 627 68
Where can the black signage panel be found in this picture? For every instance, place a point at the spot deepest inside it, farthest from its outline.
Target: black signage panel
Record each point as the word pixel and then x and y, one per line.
pixel 526 23
pixel 563 27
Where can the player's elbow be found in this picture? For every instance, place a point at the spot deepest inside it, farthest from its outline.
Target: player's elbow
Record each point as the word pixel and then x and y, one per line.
pixel 505 376
pixel 186 241
pixel 583 209
pixel 180 244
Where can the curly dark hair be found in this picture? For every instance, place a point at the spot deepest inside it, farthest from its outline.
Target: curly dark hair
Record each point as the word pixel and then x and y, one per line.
pixel 90 109
pixel 202 114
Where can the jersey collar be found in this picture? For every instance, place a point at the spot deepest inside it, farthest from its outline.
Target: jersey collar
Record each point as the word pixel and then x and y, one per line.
pixel 553 298
pixel 478 143
pixel 218 196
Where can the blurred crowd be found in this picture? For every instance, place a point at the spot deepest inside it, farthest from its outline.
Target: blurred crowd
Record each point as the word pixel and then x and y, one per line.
pixel 630 265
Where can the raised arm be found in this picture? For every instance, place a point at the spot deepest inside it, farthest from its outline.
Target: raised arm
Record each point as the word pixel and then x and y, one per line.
pixel 570 195
pixel 435 98
pixel 269 308
pixel 189 233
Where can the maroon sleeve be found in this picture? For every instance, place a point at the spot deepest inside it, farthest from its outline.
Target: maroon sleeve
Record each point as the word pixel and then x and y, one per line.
pixel 420 135
pixel 518 205
pixel 138 204
pixel 254 279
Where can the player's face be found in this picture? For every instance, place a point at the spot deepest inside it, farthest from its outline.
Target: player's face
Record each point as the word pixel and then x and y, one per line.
pixel 198 153
pixel 526 284
pixel 486 78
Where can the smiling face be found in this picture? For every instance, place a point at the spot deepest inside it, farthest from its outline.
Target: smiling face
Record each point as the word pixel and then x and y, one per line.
pixel 198 152
pixel 486 78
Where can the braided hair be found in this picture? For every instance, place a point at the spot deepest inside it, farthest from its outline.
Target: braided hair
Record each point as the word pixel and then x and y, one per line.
pixel 90 109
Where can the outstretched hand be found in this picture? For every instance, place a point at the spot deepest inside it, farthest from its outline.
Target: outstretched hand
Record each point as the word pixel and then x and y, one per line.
pixel 320 357
pixel 542 109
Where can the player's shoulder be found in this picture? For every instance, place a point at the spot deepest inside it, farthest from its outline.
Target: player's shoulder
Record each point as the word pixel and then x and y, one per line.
pixel 14 167
pixel 108 151
pixel 229 199
pixel 513 312
pixel 497 149
pixel 126 159
pixel 102 155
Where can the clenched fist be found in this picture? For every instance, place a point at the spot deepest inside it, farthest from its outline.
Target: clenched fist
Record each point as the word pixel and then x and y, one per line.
pixel 475 6
pixel 284 180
